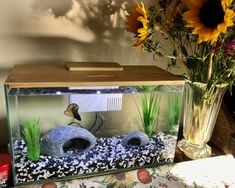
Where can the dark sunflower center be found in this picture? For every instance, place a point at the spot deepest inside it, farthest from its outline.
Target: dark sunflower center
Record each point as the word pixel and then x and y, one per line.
pixel 211 13
pixel 140 25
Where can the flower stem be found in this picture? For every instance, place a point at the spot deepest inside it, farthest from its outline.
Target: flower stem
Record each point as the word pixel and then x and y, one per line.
pixel 160 29
pixel 178 51
pixel 210 66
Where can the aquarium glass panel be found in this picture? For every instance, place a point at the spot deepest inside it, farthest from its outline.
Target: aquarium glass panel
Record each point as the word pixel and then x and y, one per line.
pixel 58 133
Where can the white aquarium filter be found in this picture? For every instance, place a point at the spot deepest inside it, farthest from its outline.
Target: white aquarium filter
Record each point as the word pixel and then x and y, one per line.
pixel 68 121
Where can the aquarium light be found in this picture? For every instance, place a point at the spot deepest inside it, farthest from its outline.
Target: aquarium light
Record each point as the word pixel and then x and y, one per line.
pixel 97 102
pixel 58 93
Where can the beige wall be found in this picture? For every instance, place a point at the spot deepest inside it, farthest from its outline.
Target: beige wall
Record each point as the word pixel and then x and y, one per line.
pixel 55 31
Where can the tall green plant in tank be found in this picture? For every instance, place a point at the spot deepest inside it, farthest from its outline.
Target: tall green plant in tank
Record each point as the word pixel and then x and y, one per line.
pixel 173 112
pixel 31 134
pixel 149 108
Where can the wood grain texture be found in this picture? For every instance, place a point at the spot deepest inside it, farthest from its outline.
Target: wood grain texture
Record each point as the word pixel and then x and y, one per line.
pixel 48 75
pixel 231 144
pixel 93 66
pixel 224 131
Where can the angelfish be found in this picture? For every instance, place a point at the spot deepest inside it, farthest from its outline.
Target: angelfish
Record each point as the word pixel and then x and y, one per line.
pixel 72 111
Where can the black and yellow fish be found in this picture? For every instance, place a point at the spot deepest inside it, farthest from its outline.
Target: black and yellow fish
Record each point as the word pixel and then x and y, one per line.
pixel 72 111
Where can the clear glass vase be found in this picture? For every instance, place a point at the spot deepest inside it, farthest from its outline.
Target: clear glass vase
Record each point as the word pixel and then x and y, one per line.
pixel 200 115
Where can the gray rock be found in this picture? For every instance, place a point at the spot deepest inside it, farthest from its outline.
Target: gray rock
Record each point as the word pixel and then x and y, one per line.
pixel 135 138
pixel 67 139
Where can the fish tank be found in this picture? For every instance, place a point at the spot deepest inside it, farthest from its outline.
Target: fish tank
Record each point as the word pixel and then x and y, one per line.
pixel 84 119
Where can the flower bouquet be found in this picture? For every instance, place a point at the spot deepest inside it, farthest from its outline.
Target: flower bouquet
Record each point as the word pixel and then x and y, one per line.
pixel 202 37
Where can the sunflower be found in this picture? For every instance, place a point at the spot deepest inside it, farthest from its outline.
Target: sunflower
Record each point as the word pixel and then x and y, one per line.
pixel 121 180
pixel 137 23
pixel 209 18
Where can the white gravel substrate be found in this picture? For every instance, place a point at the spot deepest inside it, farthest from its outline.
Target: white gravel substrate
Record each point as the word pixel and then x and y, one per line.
pixel 108 154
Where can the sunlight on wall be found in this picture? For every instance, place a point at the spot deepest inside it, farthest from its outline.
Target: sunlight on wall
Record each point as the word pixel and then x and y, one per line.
pixel 48 31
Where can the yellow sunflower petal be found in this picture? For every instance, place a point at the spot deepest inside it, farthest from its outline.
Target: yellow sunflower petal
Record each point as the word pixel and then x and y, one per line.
pixel 205 32
pixel 137 23
pixel 137 43
pixel 228 21
pixel 142 10
pixel 199 29
pixel 229 14
pixel 142 33
pixel 142 38
pixel 191 16
pixel 142 20
pixel 214 35
pixel 226 3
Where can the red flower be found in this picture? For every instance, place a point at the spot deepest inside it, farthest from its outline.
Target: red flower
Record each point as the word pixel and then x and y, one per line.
pixel 144 176
pixel 230 48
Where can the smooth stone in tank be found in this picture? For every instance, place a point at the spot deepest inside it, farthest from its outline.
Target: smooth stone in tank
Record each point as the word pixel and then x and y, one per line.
pixel 67 139
pixel 135 138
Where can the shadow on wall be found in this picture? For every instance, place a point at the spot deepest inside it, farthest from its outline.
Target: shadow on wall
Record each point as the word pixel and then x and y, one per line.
pixel 59 7
pixel 91 13
pixel 64 30
pixel 104 19
pixel 82 30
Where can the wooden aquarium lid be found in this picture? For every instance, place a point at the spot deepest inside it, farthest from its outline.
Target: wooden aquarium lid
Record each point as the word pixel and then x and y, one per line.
pixel 51 75
pixel 93 66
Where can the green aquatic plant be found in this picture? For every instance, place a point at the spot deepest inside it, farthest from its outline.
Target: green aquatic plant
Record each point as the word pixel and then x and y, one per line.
pixel 31 134
pixel 150 108
pixel 173 112
pixel 149 88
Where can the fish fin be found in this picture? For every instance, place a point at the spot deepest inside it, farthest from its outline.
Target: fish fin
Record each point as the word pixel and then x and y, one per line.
pixel 68 113
pixel 77 116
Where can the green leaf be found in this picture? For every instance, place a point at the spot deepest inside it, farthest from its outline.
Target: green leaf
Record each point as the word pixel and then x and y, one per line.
pixel 31 133
pixel 192 63
pixel 150 112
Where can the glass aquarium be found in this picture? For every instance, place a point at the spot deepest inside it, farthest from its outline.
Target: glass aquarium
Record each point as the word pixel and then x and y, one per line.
pixel 66 123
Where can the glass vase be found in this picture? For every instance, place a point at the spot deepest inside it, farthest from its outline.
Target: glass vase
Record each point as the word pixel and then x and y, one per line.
pixel 200 115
